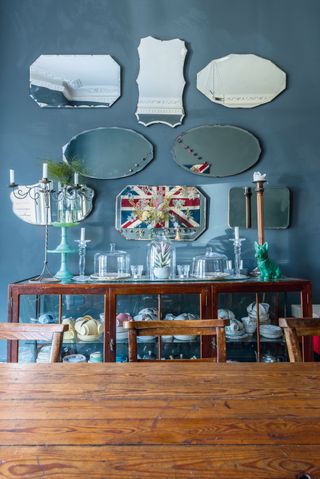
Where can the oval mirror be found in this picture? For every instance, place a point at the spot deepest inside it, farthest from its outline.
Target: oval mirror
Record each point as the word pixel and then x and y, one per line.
pixel 107 153
pixel 241 81
pixel 64 81
pixel 216 150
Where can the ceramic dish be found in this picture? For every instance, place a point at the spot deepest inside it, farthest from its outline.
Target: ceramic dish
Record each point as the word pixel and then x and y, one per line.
pixel 146 339
pixel 110 277
pixel 75 358
pixel 185 338
pixel 87 338
pixel 270 331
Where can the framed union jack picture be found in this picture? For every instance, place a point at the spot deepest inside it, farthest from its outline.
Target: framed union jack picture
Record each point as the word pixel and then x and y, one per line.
pixel 179 210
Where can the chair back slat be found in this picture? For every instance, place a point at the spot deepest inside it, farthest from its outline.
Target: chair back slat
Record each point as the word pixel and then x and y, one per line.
pixel 36 332
pixel 295 328
pixel 205 327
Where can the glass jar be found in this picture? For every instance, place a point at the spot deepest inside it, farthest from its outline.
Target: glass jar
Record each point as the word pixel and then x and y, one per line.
pixel 210 265
pixel 161 258
pixel 112 264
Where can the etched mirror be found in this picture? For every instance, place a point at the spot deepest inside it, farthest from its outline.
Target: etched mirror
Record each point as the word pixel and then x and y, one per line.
pixel 161 81
pixel 243 207
pixel 29 203
pixel 107 153
pixel 64 81
pixel 241 81
pixel 215 150
pixel 178 210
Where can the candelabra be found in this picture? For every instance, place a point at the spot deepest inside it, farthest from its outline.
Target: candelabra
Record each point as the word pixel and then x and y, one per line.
pixel 70 206
pixel 42 191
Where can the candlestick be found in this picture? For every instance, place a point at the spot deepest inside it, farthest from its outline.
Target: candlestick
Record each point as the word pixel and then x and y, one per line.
pixel 11 173
pixel 45 170
pixel 82 243
pixel 76 178
pixel 83 234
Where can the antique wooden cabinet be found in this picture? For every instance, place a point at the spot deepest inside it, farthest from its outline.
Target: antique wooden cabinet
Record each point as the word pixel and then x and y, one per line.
pixel 109 303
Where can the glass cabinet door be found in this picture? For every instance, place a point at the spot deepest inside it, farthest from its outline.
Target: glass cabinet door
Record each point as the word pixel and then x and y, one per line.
pixel 254 333
pixel 84 314
pixel 150 307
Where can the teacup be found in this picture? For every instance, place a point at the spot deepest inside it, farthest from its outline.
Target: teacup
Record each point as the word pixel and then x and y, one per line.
pixel 250 324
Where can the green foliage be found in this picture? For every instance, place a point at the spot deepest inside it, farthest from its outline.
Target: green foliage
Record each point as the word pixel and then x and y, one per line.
pixel 64 172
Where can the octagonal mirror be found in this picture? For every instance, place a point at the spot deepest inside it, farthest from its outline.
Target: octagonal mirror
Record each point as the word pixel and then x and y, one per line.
pixel 216 150
pixel 107 153
pixel 68 81
pixel 241 81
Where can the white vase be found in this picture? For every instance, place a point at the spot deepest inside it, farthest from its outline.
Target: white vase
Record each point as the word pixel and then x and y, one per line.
pixel 161 273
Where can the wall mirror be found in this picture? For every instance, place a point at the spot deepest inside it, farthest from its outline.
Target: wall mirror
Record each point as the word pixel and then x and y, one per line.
pixel 178 210
pixel 107 153
pixel 215 150
pixel 28 203
pixel 243 207
pixel 62 81
pixel 161 81
pixel 241 81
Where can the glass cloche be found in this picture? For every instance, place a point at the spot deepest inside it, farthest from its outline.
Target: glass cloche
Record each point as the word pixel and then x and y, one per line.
pixel 113 264
pixel 210 265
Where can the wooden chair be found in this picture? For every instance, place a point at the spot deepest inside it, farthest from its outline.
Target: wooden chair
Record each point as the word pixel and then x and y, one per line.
pixel 203 327
pixel 295 327
pixel 40 332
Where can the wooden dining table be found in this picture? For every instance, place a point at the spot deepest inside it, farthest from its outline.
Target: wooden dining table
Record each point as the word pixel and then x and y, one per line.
pixel 160 420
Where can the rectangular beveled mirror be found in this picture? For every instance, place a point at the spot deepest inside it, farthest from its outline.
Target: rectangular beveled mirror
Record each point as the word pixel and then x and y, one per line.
pixel 243 207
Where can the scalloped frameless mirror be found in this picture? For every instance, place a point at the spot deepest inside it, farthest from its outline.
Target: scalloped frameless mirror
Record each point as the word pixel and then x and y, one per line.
pixel 33 210
pixel 216 150
pixel 66 81
pixel 243 207
pixel 107 153
pixel 241 81
pixel 161 81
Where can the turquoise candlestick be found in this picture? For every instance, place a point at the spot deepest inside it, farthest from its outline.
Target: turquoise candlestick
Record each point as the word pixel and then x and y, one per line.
pixel 64 249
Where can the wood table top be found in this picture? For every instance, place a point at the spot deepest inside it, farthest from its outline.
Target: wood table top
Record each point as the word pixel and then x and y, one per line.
pixel 160 420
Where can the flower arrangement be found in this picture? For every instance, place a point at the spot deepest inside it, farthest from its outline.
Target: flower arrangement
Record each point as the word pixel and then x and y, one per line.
pixel 158 209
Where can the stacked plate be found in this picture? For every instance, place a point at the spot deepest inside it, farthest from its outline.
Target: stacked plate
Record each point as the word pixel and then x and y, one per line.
pixel 186 316
pixel 235 330
pixel 270 331
pixel 146 314
pixel 122 333
pixel 44 354
pixel 263 312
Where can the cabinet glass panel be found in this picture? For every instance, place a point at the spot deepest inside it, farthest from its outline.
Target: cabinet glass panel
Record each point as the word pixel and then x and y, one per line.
pixel 158 307
pixel 84 314
pixel 38 309
pixel 245 340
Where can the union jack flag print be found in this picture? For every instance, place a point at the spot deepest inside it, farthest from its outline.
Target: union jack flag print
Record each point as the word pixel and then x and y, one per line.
pixel 168 207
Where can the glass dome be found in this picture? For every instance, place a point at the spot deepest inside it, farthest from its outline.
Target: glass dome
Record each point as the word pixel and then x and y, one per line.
pixel 210 265
pixel 112 264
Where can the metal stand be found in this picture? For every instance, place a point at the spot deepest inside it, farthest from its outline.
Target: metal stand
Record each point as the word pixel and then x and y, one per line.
pixel 35 193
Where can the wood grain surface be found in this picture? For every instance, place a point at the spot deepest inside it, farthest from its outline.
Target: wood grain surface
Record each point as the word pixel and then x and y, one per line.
pixel 160 420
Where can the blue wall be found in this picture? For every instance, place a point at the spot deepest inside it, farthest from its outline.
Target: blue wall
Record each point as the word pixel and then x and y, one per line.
pixel 285 31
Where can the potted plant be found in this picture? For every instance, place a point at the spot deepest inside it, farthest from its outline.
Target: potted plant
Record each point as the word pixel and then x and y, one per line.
pixel 161 258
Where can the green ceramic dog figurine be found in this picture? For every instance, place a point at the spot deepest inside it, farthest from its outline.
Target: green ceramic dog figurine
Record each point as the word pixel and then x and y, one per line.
pixel 268 269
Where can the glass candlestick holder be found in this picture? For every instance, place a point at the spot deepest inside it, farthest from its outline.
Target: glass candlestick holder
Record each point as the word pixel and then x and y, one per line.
pixel 82 278
pixel 237 256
